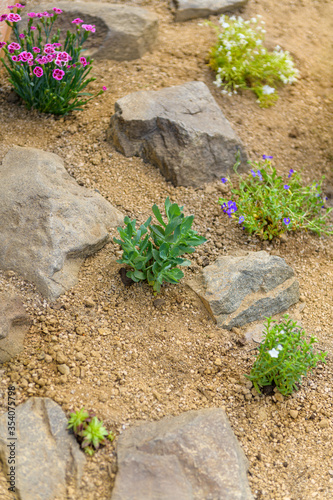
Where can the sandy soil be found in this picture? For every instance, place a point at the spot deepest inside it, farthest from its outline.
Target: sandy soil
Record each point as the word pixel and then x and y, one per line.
pixel 137 360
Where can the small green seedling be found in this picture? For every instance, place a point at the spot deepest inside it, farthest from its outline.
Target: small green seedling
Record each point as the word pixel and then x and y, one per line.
pixel 89 431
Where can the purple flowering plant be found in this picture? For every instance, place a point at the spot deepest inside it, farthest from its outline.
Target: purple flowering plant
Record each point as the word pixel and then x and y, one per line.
pixel 268 207
pixel 48 75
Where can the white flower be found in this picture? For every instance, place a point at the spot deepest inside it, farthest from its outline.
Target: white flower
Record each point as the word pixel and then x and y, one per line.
pixel 234 68
pixel 267 90
pixel 225 25
pixel 253 20
pixel 240 35
pixel 273 353
pixel 279 347
pixel 282 331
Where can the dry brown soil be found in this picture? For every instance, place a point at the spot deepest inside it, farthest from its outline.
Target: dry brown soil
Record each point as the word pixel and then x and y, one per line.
pixel 131 360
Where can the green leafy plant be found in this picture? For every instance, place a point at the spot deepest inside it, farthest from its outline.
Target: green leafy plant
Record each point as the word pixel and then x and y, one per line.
pixel 88 430
pixel 154 251
pixel 48 75
pixel 284 356
pixel 242 62
pixel 268 205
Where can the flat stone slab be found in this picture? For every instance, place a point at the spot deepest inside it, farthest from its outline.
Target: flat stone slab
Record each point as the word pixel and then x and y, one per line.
pixel 240 290
pixel 192 9
pixel 180 129
pixel 194 456
pixel 47 457
pixel 129 32
pixel 48 223
pixel 14 324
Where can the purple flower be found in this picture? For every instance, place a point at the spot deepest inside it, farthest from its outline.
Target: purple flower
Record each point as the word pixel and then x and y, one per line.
pixel 286 220
pixel 229 208
pixel 38 71
pixel 259 175
pixel 3 18
pixel 22 35
pixel 2 44
pixel 253 173
pixel 267 157
pixel 58 74
pixel 224 180
pixel 241 219
pixel 286 186
pixel 291 171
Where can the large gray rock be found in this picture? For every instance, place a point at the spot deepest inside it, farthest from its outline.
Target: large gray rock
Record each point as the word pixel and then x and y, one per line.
pixel 129 31
pixel 194 456
pixel 48 223
pixel 47 457
pixel 191 9
pixel 239 290
pixel 14 324
pixel 179 129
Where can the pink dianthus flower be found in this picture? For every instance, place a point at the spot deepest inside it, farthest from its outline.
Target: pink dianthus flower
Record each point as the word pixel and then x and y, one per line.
pixel 19 6
pixel 14 18
pixel 25 56
pixel 89 27
pixel 56 10
pixel 58 74
pixel 2 44
pixel 12 47
pixel 32 14
pixel 3 17
pixel 36 50
pixel 77 21
pixel 22 35
pixel 104 89
pixel 83 61
pixel 33 28
pixel 49 50
pixel 14 58
pixel 38 71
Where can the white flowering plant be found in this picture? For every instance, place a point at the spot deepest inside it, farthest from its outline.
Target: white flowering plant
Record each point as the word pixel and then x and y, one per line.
pixel 284 356
pixel 242 62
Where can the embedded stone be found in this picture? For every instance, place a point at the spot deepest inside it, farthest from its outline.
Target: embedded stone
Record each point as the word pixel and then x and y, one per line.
pixel 181 130
pixel 166 460
pixel 48 223
pixel 47 458
pixel 192 9
pixel 14 324
pixel 124 32
pixel 240 290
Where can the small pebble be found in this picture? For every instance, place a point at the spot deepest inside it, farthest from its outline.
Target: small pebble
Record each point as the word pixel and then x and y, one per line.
pixel 293 413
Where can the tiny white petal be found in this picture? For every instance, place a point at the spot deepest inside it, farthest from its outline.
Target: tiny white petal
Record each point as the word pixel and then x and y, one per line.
pixel 273 353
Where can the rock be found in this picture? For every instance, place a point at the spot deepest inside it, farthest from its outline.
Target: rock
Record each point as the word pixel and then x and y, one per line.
pixel 255 333
pixel 50 226
pixel 240 290
pixel 80 331
pixel 89 302
pixel 192 9
pixel 262 414
pixel 14 324
pixel 64 369
pixel 279 397
pixel 293 413
pixel 166 460
pixel 47 456
pixel 129 31
pixel 61 358
pixel 180 129
pixel 218 362
pixel 324 423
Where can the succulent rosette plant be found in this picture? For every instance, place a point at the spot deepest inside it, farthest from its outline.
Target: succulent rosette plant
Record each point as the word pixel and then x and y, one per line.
pixel 48 75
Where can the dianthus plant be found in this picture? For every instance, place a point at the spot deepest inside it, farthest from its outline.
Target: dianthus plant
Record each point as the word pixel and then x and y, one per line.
pixel 48 75
pixel 242 62
pixel 153 251
pixel 284 356
pixel 268 205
